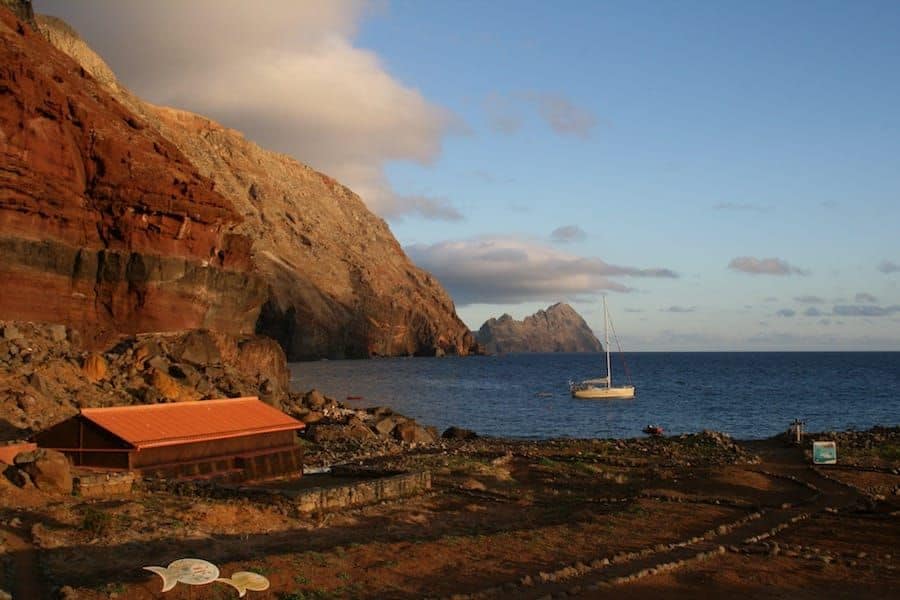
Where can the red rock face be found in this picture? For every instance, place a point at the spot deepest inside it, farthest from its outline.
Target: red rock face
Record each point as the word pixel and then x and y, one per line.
pixel 339 284
pixel 103 223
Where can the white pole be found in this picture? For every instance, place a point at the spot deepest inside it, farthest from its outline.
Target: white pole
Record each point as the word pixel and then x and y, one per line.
pixel 606 330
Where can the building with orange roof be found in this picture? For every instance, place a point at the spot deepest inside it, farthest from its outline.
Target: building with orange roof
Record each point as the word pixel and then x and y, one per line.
pixel 236 438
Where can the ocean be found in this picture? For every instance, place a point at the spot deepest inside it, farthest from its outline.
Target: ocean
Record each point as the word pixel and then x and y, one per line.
pixel 748 395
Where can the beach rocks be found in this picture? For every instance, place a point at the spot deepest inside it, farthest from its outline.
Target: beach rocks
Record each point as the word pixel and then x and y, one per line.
pixel 50 471
pixel 386 426
pixel 47 470
pixel 413 433
pixel 458 433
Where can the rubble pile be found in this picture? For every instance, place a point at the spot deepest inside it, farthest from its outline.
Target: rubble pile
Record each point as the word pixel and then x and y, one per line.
pixel 46 375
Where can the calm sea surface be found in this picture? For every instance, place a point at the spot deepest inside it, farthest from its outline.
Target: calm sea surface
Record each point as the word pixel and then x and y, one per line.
pixel 746 394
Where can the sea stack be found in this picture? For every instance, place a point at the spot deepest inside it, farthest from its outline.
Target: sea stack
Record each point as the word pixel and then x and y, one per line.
pixel 557 329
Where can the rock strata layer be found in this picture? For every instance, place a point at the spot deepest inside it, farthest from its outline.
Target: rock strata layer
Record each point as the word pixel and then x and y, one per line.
pixel 557 329
pixel 104 224
pixel 339 284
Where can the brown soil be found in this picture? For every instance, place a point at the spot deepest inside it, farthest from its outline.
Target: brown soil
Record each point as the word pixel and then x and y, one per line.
pixel 505 520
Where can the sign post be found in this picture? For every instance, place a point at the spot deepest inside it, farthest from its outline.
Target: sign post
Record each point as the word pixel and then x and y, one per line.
pixel 824 453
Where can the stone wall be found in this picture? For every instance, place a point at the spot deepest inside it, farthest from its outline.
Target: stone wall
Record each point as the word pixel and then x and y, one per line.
pixel 361 493
pixel 103 484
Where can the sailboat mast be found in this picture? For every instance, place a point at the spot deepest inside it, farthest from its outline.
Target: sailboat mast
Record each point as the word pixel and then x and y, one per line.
pixel 606 333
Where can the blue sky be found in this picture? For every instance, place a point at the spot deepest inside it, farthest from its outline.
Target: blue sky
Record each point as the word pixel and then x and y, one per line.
pixel 727 172
pixel 721 130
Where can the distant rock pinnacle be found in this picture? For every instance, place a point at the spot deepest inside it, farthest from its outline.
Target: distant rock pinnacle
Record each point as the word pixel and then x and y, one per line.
pixel 557 329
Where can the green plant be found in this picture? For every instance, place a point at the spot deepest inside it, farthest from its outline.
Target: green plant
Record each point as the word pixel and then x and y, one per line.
pixel 95 521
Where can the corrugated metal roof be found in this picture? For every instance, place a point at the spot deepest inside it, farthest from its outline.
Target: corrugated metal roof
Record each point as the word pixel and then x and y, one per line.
pixel 154 425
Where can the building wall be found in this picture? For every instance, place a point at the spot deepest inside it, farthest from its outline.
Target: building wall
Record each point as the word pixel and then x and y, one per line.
pixel 212 449
pixel 77 432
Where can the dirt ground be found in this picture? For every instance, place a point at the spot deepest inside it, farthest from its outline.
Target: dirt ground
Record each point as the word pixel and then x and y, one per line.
pixel 692 517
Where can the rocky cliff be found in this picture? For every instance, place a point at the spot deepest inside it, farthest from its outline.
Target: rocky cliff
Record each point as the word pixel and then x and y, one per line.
pixel 104 224
pixel 557 329
pixel 339 284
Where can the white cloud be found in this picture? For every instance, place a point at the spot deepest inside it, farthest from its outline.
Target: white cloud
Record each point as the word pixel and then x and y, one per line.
pixel 285 73
pixel 512 270
pixel 810 299
pixel 764 266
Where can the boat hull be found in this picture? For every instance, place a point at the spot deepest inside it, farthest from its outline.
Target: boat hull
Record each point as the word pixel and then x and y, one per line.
pixel 605 393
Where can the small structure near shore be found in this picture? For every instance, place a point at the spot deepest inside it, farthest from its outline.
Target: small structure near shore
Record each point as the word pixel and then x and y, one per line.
pixel 236 439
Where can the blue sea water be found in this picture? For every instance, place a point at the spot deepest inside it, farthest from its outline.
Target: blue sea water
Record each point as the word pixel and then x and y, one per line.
pixel 746 394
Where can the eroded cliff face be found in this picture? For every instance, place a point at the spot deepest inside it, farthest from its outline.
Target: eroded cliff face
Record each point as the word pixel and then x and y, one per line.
pixel 339 284
pixel 557 329
pixel 104 224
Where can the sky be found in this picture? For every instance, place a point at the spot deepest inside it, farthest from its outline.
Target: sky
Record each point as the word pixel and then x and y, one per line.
pixel 727 173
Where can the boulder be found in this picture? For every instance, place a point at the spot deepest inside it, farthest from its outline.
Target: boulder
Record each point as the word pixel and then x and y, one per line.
pixel 94 367
pixel 385 426
pixel 185 372
pixel 380 411
pixel 198 347
pixel 16 476
pixel 145 350
pixel 10 332
pixel 458 433
pixel 29 456
pixel 39 383
pixel 312 416
pixel 262 360
pixel 314 399
pixel 57 333
pixel 50 472
pixel 355 429
pixel 170 389
pixel 413 433
pixel 160 363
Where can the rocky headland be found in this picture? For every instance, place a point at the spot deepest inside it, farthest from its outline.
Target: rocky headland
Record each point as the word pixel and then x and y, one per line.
pixel 338 284
pixel 557 329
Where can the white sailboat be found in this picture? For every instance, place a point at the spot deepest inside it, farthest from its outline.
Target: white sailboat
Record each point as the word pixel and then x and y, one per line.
pixel 601 388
